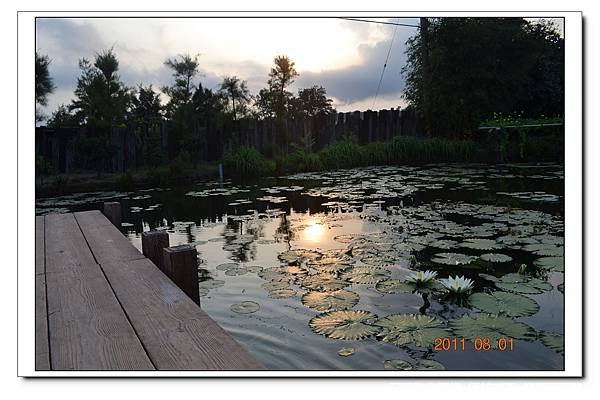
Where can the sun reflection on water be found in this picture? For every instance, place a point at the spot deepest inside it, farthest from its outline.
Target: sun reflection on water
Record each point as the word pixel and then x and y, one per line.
pixel 314 232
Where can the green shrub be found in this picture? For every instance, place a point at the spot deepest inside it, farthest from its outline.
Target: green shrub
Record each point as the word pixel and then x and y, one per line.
pixel 160 176
pixel 247 162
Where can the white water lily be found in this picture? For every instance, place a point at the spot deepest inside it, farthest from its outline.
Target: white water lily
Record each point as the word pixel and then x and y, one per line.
pixel 422 277
pixel 457 284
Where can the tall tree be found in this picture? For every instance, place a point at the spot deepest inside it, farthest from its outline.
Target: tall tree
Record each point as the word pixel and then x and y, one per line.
pixel 312 101
pixel 102 100
pixel 146 116
pixel 460 71
pixel 184 68
pixel 282 75
pixel 179 108
pixel 44 84
pixel 235 91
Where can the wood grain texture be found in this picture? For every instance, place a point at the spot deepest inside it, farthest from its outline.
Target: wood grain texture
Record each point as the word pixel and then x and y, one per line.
pixel 176 333
pixel 65 245
pixel 88 329
pixel 153 243
pixel 42 351
pixel 107 243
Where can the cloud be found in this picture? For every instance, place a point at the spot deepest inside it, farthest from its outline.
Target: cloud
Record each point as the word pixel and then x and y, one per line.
pixel 355 83
pixel 350 54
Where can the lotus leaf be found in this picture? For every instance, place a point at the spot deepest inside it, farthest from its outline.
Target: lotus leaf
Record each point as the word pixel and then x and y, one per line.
pixel 554 341
pixel 329 301
pixel 490 326
pixel 404 329
pixel 510 304
pixel 522 284
pixel 551 263
pixel 245 307
pixel 347 325
pixel 366 275
pixel 495 257
pixel 453 259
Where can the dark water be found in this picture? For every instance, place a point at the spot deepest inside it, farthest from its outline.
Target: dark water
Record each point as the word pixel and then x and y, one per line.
pixel 360 227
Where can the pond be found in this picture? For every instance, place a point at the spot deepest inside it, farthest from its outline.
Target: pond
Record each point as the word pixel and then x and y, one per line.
pixel 319 271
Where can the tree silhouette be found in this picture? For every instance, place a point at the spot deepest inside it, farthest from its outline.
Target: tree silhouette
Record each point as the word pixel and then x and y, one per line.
pixel 313 101
pixel 235 90
pixel 44 84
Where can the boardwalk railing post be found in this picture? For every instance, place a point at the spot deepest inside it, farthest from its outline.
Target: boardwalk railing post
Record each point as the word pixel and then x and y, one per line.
pixel 112 211
pixel 153 243
pixel 180 263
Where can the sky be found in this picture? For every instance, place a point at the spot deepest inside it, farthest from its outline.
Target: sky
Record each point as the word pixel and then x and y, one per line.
pixel 345 57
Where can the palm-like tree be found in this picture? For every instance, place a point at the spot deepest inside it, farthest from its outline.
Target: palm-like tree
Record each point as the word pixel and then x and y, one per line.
pixel 235 90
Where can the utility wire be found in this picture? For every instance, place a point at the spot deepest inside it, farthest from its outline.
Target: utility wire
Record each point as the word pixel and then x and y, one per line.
pixel 379 22
pixel 384 65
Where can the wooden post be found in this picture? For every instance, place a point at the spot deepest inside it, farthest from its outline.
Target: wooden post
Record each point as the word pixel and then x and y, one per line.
pixel 112 211
pixel 153 243
pixel 180 263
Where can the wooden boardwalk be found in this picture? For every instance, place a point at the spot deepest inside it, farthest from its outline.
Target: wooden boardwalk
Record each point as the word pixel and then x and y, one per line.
pixel 101 305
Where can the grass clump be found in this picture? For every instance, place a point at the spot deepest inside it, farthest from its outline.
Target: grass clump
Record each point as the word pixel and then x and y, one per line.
pixel 247 162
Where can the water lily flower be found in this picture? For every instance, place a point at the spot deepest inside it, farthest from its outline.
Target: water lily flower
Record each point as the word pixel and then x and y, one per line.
pixel 422 277
pixel 458 284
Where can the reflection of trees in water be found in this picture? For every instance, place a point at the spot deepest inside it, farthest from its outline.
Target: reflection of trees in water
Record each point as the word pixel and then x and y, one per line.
pixel 284 231
pixel 240 237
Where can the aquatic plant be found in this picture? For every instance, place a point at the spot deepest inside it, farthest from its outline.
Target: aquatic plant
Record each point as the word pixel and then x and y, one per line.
pixel 247 162
pixel 554 341
pixel 346 351
pixel 495 257
pixel 457 284
pixel 329 301
pixel 510 304
pixel 421 277
pixel 523 284
pixel 366 275
pixel 403 329
pixel 347 325
pixel 417 365
pixel 452 259
pixel 490 326
pixel 245 307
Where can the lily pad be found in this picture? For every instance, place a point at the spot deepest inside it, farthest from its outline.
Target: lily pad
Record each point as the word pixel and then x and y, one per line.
pixel 322 282
pixel 282 293
pixel 226 266
pixel 329 301
pixel 551 263
pixel 398 365
pixel 489 326
pixel 554 341
pixel 394 286
pixel 347 325
pixel 522 284
pixel 549 250
pixel 453 259
pixel 510 304
pixel 236 271
pixel 429 365
pixel 366 275
pixel 211 283
pixel 495 257
pixel 404 329
pixel 480 244
pixel 346 351
pixel 245 307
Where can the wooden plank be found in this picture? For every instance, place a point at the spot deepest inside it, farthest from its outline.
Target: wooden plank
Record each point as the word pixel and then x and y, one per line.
pixel 88 329
pixel 107 243
pixel 42 352
pixel 176 333
pixel 65 245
